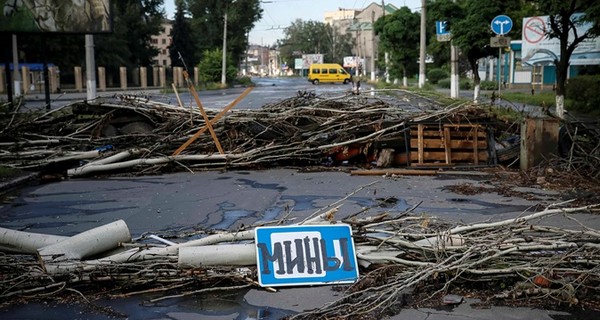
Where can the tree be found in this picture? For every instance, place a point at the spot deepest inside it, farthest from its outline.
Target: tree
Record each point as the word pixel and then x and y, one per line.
pixel 182 50
pixel 210 67
pixel 207 24
pixel 472 32
pixel 134 22
pixel 398 34
pixel 564 23
pixel 307 37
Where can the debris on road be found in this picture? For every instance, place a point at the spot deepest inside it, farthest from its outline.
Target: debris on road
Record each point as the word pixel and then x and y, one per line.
pixel 397 253
pixel 137 135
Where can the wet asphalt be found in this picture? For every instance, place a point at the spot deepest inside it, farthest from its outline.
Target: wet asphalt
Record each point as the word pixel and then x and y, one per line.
pixel 184 202
pixel 179 203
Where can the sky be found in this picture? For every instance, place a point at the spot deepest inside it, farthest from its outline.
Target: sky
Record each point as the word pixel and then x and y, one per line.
pixel 279 14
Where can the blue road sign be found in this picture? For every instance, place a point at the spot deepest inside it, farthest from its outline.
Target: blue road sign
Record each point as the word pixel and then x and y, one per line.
pixel 305 255
pixel 441 28
pixel 502 24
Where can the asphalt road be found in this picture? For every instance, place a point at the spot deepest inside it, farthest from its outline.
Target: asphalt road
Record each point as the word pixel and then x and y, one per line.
pixel 178 203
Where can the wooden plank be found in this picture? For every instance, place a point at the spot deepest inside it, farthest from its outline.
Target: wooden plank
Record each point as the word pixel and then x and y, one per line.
pixel 466 156
pixel 399 172
pixel 447 145
pixel 453 133
pixel 454 144
pixel 420 144
pixel 475 149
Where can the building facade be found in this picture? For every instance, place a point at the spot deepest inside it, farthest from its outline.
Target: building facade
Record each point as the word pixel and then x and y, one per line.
pixel 359 23
pixel 162 41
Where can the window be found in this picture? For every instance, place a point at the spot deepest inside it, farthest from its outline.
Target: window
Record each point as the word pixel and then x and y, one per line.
pixel 333 71
pixel 316 71
pixel 324 71
pixel 164 41
pixel 155 41
pixel 164 62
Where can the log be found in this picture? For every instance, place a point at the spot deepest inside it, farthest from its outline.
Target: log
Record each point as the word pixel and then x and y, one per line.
pixel 87 243
pixel 399 172
pixel 26 242
pixel 218 255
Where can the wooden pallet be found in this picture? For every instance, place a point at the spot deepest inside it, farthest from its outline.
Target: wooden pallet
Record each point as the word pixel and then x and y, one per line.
pixel 448 144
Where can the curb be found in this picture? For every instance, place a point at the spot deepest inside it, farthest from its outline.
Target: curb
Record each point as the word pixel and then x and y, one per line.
pixel 17 181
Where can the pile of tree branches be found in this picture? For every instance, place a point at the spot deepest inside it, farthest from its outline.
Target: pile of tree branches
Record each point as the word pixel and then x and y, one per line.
pixel 400 254
pixel 132 131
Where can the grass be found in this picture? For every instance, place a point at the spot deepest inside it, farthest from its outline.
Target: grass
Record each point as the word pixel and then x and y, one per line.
pixel 543 98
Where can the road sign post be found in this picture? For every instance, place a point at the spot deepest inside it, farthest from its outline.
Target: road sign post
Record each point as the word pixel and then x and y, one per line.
pixel 501 25
pixel 441 31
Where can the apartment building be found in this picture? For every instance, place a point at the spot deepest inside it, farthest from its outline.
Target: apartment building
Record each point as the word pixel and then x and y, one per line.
pixel 359 23
pixel 162 42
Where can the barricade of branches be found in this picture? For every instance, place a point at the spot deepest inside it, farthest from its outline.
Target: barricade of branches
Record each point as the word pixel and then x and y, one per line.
pixel 134 132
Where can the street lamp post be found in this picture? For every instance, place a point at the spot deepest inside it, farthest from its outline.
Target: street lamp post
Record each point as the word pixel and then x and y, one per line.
pixel 224 62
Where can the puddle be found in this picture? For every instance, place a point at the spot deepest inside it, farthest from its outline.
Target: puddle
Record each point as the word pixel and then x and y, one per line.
pixel 257 185
pixel 218 307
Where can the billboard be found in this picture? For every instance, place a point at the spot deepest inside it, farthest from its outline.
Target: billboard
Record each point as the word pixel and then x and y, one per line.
pixel 538 48
pixel 309 59
pixel 56 16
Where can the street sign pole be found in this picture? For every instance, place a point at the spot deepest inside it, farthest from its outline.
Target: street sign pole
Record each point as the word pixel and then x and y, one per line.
pixel 501 25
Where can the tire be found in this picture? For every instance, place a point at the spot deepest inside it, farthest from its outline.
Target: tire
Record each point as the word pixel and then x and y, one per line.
pixel 346 81
pixel 315 82
pixel 137 127
pixel 109 131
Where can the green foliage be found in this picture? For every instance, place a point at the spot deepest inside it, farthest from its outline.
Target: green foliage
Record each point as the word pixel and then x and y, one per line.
pixel 488 85
pixel 563 26
pixel 465 84
pixel 444 83
pixel 435 75
pixel 210 67
pixel 315 37
pixel 245 81
pixel 398 34
pixel 208 24
pixel 583 91
pixel 183 42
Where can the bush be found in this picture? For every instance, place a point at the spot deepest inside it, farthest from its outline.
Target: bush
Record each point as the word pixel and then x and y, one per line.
pixel 435 75
pixel 465 84
pixel 444 83
pixel 583 91
pixel 245 81
pixel 210 67
pixel 488 85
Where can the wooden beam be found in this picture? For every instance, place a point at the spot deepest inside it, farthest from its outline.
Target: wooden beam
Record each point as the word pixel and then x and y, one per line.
pixel 204 115
pixel 213 121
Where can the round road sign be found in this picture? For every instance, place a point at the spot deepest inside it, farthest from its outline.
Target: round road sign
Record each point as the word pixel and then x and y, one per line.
pixel 534 30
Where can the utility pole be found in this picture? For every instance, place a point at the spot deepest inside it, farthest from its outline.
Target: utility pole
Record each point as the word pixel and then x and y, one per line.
pixel 16 71
pixel 90 67
pixel 387 54
pixel 373 45
pixel 454 77
pixel 224 62
pixel 422 46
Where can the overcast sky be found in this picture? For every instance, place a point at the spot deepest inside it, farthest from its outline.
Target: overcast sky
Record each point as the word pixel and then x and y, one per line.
pixel 278 14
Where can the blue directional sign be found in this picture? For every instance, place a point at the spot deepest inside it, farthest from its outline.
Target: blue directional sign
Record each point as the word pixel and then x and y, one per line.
pixel 305 255
pixel 441 27
pixel 442 31
pixel 502 24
